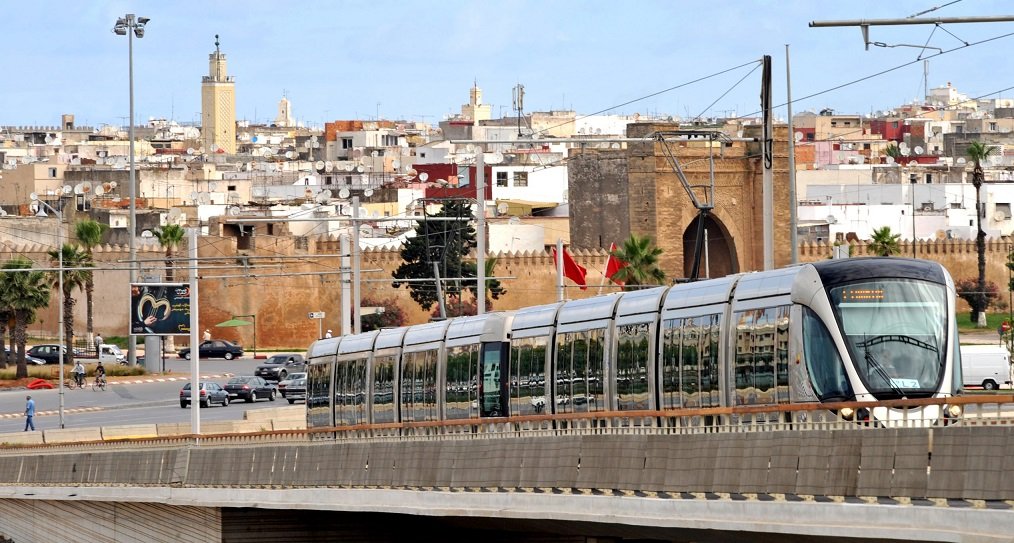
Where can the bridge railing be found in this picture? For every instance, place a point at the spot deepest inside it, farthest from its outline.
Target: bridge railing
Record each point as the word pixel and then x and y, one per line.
pixel 982 410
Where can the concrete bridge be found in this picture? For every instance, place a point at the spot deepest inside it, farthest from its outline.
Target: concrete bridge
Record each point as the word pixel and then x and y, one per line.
pixel 727 474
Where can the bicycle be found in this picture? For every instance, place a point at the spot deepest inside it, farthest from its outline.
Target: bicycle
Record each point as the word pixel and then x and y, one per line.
pixel 99 383
pixel 73 383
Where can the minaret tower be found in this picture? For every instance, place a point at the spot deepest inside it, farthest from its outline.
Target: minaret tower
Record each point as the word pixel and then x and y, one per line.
pixel 218 106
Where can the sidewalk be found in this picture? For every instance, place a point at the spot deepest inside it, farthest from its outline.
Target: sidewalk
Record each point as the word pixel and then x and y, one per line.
pixel 983 337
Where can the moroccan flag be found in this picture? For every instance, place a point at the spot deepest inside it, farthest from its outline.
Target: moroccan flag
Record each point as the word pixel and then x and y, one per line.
pixel 572 270
pixel 614 265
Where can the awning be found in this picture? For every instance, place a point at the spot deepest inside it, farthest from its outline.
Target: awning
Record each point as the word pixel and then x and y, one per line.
pixel 233 322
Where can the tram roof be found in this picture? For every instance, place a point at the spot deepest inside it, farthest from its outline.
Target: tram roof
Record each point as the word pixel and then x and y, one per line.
pixel 700 293
pixel 766 284
pixel 390 337
pixel 535 317
pixel 487 327
pixel 324 347
pixel 425 333
pixel 637 302
pixel 358 342
pixel 845 270
pixel 588 309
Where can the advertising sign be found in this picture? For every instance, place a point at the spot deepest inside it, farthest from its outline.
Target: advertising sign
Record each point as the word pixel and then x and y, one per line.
pixel 161 309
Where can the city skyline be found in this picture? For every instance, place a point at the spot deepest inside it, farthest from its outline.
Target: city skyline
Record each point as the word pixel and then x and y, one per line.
pixel 359 60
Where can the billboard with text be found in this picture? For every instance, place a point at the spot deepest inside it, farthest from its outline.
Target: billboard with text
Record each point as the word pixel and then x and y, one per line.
pixel 159 309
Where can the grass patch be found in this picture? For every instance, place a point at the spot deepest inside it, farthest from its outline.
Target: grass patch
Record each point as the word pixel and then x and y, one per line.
pixel 993 321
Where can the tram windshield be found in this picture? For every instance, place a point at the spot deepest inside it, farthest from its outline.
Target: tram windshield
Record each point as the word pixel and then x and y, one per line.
pixel 895 330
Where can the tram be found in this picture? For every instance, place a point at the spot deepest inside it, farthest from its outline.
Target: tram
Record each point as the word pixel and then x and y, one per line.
pixel 839 330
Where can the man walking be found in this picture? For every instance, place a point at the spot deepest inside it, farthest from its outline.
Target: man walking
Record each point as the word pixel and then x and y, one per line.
pixel 98 342
pixel 30 414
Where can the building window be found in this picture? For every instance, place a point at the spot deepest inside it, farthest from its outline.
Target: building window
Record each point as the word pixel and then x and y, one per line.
pixel 346 143
pixel 1003 209
pixel 992 127
pixel 52 173
pixel 520 179
pixel 501 179
pixel 834 124
pixel 231 188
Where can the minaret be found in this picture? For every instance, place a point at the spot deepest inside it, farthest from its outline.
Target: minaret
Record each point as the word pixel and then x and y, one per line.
pixel 475 109
pixel 284 118
pixel 218 106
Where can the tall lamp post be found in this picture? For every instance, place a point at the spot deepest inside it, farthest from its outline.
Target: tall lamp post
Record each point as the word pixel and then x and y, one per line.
pixel 912 178
pixel 131 26
pixel 59 250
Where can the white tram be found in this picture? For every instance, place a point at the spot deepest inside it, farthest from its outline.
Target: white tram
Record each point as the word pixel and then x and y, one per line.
pixel 839 330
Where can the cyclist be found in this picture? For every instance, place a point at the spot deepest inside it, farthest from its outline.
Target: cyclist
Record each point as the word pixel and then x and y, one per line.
pixel 100 373
pixel 79 374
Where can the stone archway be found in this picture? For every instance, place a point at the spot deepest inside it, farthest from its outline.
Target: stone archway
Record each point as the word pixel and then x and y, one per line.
pixel 719 259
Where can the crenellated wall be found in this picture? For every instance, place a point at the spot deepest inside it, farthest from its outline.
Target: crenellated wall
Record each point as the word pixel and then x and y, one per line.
pixel 298 275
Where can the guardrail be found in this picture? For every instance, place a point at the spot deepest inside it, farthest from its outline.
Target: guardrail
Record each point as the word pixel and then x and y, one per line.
pixel 992 410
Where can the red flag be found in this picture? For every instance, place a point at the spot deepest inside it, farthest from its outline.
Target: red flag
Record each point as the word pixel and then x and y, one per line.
pixel 614 265
pixel 572 270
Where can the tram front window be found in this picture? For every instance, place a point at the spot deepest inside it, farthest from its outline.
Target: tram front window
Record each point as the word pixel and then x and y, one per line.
pixel 896 334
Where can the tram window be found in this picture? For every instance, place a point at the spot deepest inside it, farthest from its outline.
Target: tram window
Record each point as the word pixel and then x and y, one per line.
pixel 339 390
pixel 827 373
pixel 383 389
pixel 690 363
pixel 461 400
pixel 632 356
pixel 350 407
pixel 709 362
pixel 492 370
pixel 671 334
pixel 758 342
pixel 418 386
pixel 579 371
pixel 782 355
pixel 318 395
pixel 528 376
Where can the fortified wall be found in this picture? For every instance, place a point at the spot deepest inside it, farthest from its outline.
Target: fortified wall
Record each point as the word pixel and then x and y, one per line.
pixel 285 278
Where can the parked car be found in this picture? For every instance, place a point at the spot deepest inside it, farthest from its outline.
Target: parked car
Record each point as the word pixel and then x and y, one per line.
pixel 283 386
pixel 279 366
pixel 28 359
pixel 50 353
pixel 215 348
pixel 295 390
pixel 250 388
pixel 210 393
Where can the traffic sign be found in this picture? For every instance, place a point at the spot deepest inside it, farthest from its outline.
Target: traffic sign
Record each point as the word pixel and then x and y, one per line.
pixel 316 314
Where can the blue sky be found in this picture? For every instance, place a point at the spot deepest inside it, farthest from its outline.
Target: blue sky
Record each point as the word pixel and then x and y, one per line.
pixel 416 60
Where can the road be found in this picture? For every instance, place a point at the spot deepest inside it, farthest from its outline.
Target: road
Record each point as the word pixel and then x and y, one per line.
pixel 126 401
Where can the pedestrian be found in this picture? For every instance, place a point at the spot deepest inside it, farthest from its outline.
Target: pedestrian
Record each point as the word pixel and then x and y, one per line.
pixel 328 334
pixel 98 342
pixel 30 414
pixel 207 335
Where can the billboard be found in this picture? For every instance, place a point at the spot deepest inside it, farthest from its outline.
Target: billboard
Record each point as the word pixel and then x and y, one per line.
pixel 159 309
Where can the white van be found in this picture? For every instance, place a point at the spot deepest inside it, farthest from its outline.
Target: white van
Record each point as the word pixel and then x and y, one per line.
pixel 987 366
pixel 111 354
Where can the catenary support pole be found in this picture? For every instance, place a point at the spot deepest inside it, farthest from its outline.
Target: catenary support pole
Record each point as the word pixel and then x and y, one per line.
pixel 346 313
pixel 793 220
pixel 480 233
pixel 195 339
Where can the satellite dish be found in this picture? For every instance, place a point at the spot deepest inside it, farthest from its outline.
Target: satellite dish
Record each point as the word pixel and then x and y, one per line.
pixel 904 151
pixel 213 186
pixel 86 187
pixel 254 139
pixel 368 192
pixel 913 163
pixel 193 196
pixel 424 176
pixel 147 234
pixel 514 221
pixel 3 213
pixel 374 154
pixel 890 160
pixel 831 219
pixel 918 149
pixel 349 166
pixel 396 164
pixel 99 191
pixel 343 193
pixel 360 168
pixel 233 210
pixel 327 194
pixel 33 196
pixel 204 198
pixel 319 165
pixel 962 160
pixel 328 166
pixel 78 189
pixel 470 148
pixel 289 154
pixel 190 150
pixel 999 216
pixel 502 208
pixel 112 184
pixel 49 139
pixel 798 136
pixel 67 189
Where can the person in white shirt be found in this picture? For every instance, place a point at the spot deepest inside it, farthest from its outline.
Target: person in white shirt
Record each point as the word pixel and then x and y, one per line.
pixel 79 373
pixel 207 335
pixel 328 334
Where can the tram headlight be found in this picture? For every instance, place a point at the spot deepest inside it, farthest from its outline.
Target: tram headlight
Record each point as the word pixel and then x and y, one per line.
pixel 953 411
pixel 847 413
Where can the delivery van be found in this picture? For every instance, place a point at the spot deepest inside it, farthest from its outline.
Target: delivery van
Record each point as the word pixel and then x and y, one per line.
pixel 111 354
pixel 986 366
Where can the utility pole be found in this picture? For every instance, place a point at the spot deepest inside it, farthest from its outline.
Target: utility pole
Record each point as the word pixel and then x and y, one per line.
pixel 793 222
pixel 480 233
pixel 767 160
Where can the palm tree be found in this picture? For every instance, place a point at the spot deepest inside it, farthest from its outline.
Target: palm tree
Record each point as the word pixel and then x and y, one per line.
pixel 883 242
pixel 978 152
pixel 641 256
pixel 89 235
pixel 75 274
pixel 169 236
pixel 22 293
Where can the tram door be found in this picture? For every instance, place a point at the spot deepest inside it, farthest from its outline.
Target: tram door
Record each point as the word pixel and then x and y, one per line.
pixel 493 392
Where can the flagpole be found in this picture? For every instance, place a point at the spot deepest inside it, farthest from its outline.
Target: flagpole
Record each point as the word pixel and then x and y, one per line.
pixel 559 269
pixel 606 270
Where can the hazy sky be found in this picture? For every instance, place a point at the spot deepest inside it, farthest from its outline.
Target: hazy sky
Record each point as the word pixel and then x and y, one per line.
pixel 416 60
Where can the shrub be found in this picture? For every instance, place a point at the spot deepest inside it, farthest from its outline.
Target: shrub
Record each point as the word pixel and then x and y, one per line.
pixel 968 290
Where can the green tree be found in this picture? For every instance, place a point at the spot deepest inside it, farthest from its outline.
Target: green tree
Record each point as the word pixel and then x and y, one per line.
pixel 89 234
pixel 978 152
pixel 968 290
pixel 75 271
pixel 641 257
pixel 22 293
pixel 893 151
pixel 446 243
pixel 169 237
pixel 883 242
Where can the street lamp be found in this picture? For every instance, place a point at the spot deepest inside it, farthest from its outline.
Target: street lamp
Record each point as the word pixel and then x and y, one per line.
pixel 131 26
pixel 59 251
pixel 912 178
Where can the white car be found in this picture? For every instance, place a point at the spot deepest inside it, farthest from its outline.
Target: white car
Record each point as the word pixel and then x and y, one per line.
pixel 288 381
